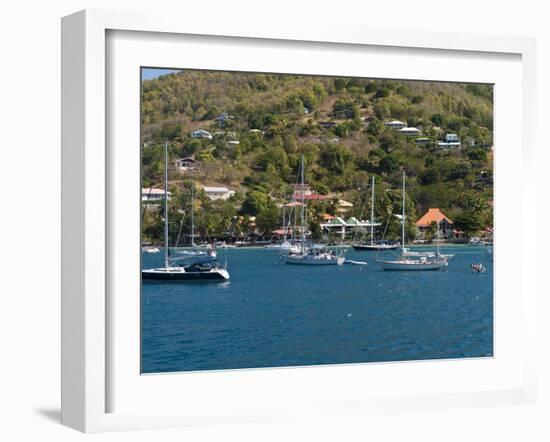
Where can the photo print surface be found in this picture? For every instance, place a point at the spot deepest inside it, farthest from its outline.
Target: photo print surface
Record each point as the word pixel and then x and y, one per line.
pixel 299 220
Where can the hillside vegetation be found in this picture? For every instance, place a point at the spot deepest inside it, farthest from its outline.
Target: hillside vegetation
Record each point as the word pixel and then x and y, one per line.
pixel 337 124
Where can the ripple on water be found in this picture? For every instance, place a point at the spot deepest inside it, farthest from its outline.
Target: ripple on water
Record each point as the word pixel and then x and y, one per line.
pixel 279 315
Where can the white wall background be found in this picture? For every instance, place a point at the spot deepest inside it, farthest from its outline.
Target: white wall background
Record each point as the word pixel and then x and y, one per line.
pixel 30 223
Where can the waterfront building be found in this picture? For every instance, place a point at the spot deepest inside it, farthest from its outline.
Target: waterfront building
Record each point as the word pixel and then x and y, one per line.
pixel 437 216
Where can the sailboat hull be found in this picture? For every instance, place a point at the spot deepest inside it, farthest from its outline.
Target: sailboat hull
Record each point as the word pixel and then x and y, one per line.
pixel 179 274
pixel 302 260
pixel 411 265
pixel 374 247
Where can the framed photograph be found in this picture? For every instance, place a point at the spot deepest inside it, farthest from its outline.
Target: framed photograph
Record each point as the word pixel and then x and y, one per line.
pixel 292 223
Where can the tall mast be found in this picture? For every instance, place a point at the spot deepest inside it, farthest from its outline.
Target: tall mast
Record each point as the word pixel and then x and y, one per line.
pixel 284 217
pixel 403 215
pixel 166 253
pixel 372 215
pixel 302 216
pixel 437 239
pixel 192 213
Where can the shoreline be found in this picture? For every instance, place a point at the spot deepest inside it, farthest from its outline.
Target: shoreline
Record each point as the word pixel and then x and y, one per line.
pixel 262 247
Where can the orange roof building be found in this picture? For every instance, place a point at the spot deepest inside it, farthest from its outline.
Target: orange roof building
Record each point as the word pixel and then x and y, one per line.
pixel 437 216
pixel 432 215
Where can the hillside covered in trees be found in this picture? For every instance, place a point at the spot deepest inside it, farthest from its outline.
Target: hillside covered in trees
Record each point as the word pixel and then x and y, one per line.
pixel 262 124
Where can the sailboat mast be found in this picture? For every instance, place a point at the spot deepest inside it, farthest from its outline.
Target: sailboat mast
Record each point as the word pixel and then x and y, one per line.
pixel 437 239
pixel 192 214
pixel 403 215
pixel 284 218
pixel 166 259
pixel 372 214
pixel 302 216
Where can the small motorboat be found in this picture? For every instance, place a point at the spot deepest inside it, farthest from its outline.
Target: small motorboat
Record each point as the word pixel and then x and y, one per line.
pixel 478 268
pixel 151 250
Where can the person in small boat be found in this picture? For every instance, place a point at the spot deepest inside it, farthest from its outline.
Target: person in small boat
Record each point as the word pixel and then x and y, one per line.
pixel 477 267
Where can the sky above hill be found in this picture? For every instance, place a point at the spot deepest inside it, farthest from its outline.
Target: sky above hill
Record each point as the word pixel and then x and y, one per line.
pixel 152 73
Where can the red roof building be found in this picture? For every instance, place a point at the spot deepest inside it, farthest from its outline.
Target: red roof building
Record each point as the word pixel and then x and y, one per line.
pixel 311 196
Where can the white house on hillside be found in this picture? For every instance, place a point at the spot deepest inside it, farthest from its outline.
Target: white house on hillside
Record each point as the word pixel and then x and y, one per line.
pixel 445 145
pixel 153 195
pixel 222 118
pixel 423 141
pixel 200 133
pixel 410 131
pixel 451 138
pixel 218 193
pixel 395 124
pixel 187 164
pixel 451 141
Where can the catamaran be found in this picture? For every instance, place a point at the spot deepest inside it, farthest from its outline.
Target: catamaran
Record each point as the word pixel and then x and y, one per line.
pixel 373 246
pixel 310 255
pixel 413 260
pixel 208 270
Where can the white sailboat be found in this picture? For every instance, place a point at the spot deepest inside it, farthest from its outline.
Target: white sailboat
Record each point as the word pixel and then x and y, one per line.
pixel 373 245
pixel 195 271
pixel 207 254
pixel 310 255
pixel 413 260
pixel 285 245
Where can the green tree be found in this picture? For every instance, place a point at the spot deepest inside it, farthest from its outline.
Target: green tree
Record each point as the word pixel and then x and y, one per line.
pixel 382 92
pixel 388 164
pixel 335 158
pixel 344 108
pixel 437 119
pixel 473 215
pixel 255 202
pixel 268 219
pixel 476 154
pixel 469 222
pixel 430 232
pixel 429 176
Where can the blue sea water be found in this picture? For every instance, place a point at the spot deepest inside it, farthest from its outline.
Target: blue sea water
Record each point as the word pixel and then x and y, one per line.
pixel 272 314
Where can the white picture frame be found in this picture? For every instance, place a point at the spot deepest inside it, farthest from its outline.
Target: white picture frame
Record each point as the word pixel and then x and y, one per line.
pixel 87 353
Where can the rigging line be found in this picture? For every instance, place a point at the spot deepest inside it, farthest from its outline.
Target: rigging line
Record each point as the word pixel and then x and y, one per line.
pixel 362 212
pixel 386 226
pixel 179 234
pixel 291 213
